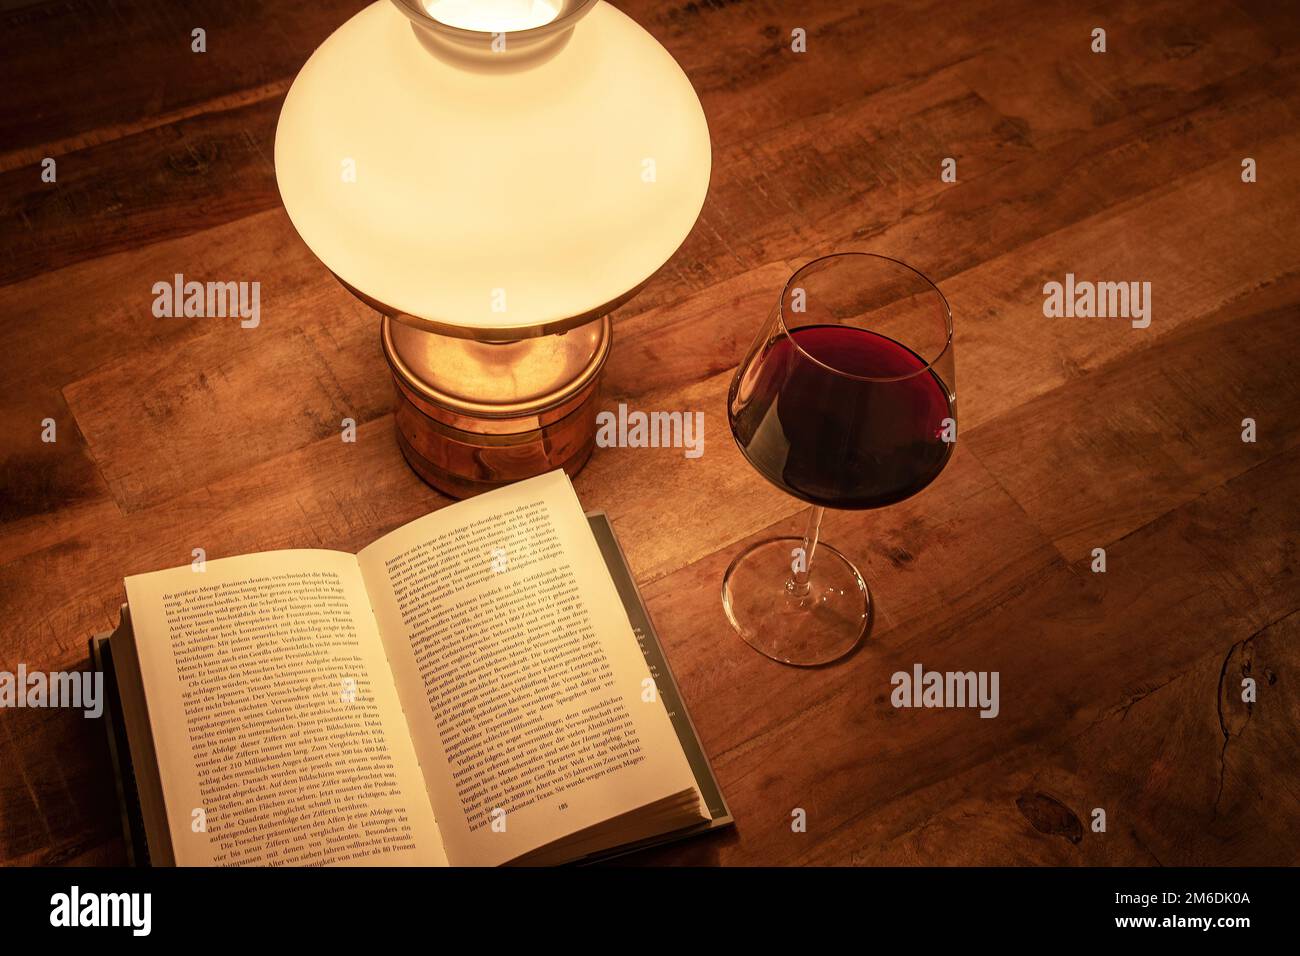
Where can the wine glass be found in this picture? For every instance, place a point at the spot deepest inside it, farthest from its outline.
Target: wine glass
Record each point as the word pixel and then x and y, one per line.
pixel 846 399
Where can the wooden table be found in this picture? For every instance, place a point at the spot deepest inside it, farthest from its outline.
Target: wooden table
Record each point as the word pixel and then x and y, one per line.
pixel 1119 691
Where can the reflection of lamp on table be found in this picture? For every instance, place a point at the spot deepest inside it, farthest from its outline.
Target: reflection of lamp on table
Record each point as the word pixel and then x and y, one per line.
pixel 494 181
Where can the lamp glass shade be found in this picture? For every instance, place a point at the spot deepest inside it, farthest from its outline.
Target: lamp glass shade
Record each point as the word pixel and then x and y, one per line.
pixel 503 198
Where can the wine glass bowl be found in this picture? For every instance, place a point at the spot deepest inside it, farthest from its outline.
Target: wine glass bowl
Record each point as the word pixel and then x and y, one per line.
pixel 846 399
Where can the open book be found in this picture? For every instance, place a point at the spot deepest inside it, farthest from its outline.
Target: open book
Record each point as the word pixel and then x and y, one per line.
pixel 467 690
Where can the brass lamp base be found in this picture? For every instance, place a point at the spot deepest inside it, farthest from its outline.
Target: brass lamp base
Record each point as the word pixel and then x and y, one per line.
pixel 474 415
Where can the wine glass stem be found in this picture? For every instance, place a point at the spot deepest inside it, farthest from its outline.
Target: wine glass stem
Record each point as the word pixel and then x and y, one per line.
pixel 801 567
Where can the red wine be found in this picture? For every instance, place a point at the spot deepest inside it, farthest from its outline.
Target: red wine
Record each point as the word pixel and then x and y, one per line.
pixel 806 420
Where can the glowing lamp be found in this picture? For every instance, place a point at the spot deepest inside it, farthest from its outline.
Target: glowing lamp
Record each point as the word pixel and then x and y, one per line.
pixel 493 176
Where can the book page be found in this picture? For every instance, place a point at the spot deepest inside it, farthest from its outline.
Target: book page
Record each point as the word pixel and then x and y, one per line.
pixel 520 675
pixel 279 734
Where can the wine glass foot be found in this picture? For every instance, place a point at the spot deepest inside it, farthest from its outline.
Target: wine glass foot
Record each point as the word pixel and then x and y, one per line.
pixel 816 626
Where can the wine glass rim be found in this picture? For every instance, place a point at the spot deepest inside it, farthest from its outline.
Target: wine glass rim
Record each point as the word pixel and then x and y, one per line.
pixel 943 300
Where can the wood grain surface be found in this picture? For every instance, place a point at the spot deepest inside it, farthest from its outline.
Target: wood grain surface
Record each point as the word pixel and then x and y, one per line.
pixel 1119 691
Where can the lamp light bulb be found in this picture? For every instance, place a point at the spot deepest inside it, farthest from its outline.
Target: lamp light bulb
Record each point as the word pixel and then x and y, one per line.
pixel 493 16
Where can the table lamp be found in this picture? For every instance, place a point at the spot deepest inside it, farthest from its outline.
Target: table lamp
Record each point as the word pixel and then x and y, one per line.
pixel 494 177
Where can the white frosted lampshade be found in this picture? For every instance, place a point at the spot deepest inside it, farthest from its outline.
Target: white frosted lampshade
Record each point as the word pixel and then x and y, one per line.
pixel 519 195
